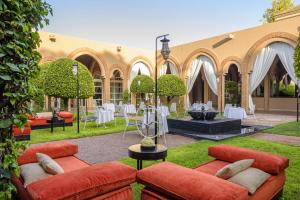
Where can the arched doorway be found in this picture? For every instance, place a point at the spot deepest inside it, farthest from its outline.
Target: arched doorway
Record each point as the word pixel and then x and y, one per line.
pixel 233 85
pixel 272 82
pixel 202 83
pixel 168 68
pixel 138 68
pixel 116 87
pixel 95 70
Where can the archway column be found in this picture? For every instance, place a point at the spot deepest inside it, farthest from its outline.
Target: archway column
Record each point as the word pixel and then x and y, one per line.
pixel 245 90
pixel 106 90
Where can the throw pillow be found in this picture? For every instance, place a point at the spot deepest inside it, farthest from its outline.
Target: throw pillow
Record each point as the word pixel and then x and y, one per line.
pixel 32 172
pixel 48 164
pixel 234 168
pixel 251 179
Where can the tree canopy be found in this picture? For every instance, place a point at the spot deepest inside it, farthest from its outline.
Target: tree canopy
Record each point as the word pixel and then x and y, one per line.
pixel 278 6
pixel 146 85
pixel 170 85
pixel 61 82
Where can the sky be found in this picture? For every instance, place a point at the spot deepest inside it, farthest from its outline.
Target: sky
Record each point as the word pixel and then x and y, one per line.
pixel 136 23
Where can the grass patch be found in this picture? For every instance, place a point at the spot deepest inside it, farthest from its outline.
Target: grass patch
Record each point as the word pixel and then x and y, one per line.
pixel 91 129
pixel 290 128
pixel 192 155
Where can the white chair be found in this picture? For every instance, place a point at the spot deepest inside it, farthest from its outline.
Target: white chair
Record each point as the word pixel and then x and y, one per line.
pixel 129 123
pixel 85 118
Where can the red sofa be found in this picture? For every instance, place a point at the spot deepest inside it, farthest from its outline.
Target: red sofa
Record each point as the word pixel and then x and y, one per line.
pixel 20 134
pixel 110 180
pixel 41 122
pixel 170 181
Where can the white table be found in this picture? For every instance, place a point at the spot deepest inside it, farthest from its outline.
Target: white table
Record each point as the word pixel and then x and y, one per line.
pixel 109 106
pixel 104 116
pixel 129 108
pixel 163 110
pixel 162 121
pixel 235 113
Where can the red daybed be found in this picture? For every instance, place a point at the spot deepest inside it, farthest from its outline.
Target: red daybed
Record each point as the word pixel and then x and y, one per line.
pixel 110 180
pixel 170 181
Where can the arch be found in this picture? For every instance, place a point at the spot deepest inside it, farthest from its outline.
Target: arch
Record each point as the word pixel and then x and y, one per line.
pixel 200 52
pixel 142 59
pixel 90 52
pixel 171 59
pixel 265 41
pixel 115 67
pixel 231 60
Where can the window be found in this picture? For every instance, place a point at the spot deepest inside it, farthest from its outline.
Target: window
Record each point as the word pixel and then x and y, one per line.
pixel 116 88
pixel 259 91
pixel 98 90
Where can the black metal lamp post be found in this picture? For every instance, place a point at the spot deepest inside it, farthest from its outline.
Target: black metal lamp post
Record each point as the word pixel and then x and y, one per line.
pixel 75 73
pixel 165 51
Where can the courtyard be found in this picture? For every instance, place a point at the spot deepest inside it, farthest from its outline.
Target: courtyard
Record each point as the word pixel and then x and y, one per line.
pixel 129 100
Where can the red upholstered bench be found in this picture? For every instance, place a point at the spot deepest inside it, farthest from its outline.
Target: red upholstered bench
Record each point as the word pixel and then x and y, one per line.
pixel 67 116
pixel 170 181
pixel 22 134
pixel 110 180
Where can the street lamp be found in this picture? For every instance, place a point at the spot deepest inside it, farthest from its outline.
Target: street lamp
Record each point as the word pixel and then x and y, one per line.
pixel 75 73
pixel 165 51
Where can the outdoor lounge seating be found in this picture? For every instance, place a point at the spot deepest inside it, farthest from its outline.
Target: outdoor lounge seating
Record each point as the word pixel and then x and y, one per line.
pixel 110 180
pixel 22 133
pixel 170 181
pixel 40 120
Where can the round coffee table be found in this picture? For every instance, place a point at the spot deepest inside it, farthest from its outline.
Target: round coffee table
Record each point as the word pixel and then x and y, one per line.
pixel 135 152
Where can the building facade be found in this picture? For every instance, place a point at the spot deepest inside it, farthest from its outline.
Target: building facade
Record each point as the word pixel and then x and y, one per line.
pixel 258 59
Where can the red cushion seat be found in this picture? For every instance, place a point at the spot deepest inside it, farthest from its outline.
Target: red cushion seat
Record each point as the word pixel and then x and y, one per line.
pixel 71 163
pixel 65 114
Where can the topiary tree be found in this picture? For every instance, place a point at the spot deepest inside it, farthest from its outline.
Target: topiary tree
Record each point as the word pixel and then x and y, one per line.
pixel 37 86
pixel 60 81
pixel 126 96
pixel 19 58
pixel 146 85
pixel 297 59
pixel 170 86
pixel 231 88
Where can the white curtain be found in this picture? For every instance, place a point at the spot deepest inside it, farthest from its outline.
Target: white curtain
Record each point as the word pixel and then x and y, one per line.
pixel 164 68
pixel 264 61
pixel 135 70
pixel 210 75
pixel 209 72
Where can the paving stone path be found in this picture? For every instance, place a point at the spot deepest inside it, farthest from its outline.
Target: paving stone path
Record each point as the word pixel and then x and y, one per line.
pixel 283 139
pixel 113 147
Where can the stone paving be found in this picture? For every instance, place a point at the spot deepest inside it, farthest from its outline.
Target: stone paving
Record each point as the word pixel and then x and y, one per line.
pixel 113 147
pixel 283 139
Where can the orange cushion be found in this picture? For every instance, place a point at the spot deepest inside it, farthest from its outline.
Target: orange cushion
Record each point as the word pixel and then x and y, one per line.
pixel 71 163
pixel 65 114
pixel 54 150
pixel 83 183
pixel 270 188
pixel 267 162
pixel 211 167
pixel 183 183
pixel 29 116
pixel 37 121
pixel 17 131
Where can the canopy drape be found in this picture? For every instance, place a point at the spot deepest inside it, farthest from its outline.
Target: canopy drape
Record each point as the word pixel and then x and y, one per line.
pixel 164 68
pixel 264 61
pixel 209 71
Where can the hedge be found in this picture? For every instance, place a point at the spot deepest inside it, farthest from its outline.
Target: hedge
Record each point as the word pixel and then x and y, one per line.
pixel 146 85
pixel 60 81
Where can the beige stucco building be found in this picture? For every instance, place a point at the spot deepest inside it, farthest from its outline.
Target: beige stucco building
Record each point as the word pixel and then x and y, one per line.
pixel 231 55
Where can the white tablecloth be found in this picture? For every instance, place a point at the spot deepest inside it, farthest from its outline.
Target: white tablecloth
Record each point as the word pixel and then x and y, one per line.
pixel 235 113
pixel 104 116
pixel 163 110
pixel 129 109
pixel 109 106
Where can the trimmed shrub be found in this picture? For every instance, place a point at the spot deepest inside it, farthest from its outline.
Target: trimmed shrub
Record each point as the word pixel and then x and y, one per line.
pixel 60 81
pixel 126 96
pixel 170 86
pixel 146 85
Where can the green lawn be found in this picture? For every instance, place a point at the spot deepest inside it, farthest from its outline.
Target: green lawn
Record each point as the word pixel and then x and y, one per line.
pixel 193 154
pixel 91 129
pixel 290 128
